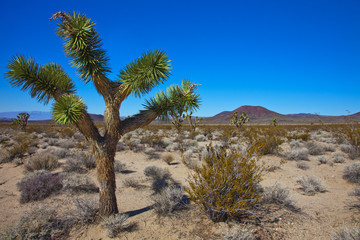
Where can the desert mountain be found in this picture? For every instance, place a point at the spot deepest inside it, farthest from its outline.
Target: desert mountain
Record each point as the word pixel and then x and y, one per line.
pixel 258 114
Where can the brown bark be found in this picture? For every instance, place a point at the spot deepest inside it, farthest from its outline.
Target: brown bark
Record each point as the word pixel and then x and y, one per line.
pixel 106 177
pixel 144 118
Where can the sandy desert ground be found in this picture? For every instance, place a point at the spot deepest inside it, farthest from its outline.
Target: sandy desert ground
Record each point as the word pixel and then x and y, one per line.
pixel 315 215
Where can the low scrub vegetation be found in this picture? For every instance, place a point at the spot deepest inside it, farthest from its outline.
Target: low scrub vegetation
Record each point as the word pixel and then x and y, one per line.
pixel 352 172
pixel 226 184
pixel 311 184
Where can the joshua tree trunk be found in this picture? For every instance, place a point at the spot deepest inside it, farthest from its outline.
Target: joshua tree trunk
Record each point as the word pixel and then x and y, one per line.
pixel 107 184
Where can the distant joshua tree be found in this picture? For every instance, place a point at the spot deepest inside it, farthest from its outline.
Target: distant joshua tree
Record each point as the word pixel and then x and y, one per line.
pixel 274 122
pixel 21 120
pixel 82 44
pixel 184 101
pixel 239 121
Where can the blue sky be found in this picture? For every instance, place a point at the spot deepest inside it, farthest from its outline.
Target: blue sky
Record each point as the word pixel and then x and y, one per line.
pixel 288 56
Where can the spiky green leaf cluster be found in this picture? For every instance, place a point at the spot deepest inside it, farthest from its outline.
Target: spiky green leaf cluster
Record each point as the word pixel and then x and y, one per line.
pixel 159 104
pixel 43 82
pixel 83 44
pixel 146 72
pixel 177 101
pixel 68 109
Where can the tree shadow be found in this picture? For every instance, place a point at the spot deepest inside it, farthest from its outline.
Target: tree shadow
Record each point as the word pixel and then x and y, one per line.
pixel 138 211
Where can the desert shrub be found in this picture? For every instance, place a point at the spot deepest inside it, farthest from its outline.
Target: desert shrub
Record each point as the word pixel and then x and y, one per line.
pixel 188 154
pixel 302 165
pixel 314 148
pixel 226 184
pixel 168 158
pixel 30 175
pixel 4 156
pixel 311 184
pixel 75 183
pixel 39 187
pixel 170 199
pixel 85 212
pixel 298 136
pixel 40 223
pixel 156 172
pixel 200 138
pixel 120 146
pixel 18 150
pixel 351 150
pixel 73 165
pixel 65 143
pixel 115 224
pixel 119 167
pixel 347 233
pixel 238 233
pixel 277 195
pixel 339 158
pixel 132 183
pixel 301 153
pixel 45 160
pixel 352 172
pixel 351 132
pixel 322 160
pixel 88 160
pixel 329 148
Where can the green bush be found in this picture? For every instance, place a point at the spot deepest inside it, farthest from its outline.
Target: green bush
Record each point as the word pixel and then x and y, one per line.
pixel 226 184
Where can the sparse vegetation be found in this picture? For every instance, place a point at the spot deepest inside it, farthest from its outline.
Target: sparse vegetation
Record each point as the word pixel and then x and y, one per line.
pixel 42 161
pixel 352 172
pixel 226 184
pixel 116 224
pixel 170 199
pixel 347 233
pixel 39 187
pixel 311 184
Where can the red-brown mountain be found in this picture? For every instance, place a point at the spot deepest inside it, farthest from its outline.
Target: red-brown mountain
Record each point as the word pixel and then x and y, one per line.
pixel 258 114
pixel 254 113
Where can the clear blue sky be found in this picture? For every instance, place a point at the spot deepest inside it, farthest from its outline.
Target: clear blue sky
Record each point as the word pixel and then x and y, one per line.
pixel 288 56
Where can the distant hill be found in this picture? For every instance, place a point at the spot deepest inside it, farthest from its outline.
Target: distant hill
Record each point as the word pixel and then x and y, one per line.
pixel 40 117
pixel 261 115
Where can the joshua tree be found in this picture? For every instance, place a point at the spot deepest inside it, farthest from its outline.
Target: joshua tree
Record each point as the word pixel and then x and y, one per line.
pixel 239 121
pixel 274 122
pixel 183 101
pixel 82 44
pixel 22 120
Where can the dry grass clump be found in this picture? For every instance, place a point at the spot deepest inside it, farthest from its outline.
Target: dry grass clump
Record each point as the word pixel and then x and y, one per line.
pixel 347 233
pixel 314 148
pixel 40 223
pixel 323 160
pixel 75 183
pixel 170 199
pixel 39 187
pixel 352 172
pixel 238 233
pixel 132 183
pixel 116 224
pixel 339 158
pixel 226 184
pixel 311 184
pixel 85 212
pixel 119 167
pixel 156 172
pixel 4 156
pixel 41 161
pixel 351 151
pixel 278 195
pixel 301 153
pixel 302 165
pixel 168 158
